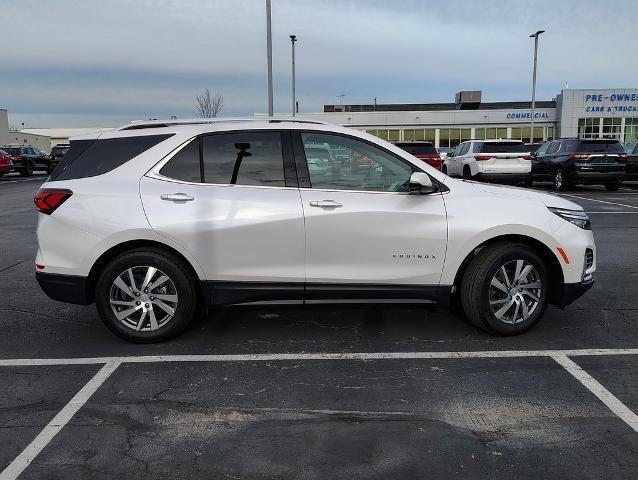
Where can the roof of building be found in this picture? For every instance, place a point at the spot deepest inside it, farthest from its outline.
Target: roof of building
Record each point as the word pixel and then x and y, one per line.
pixel 437 107
pixel 64 132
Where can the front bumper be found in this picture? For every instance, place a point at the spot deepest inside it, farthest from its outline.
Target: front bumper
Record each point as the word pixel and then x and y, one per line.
pixel 65 288
pixel 572 291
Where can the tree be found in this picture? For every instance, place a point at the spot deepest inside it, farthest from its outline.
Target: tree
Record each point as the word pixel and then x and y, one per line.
pixel 208 105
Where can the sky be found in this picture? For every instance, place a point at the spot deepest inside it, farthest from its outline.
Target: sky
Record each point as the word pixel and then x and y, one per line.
pixel 92 63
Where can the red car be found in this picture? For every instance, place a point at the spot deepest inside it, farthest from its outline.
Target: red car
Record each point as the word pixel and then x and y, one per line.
pixel 6 163
pixel 425 151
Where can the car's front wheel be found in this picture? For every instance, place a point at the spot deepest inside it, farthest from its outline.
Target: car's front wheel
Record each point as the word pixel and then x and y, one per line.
pixel 146 295
pixel 27 170
pixel 467 173
pixel 505 289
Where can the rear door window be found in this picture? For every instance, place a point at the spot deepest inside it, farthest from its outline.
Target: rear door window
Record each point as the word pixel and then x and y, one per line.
pixel 103 155
pixel 185 164
pixel 247 158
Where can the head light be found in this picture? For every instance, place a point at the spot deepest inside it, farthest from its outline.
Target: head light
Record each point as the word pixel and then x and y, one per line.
pixel 577 217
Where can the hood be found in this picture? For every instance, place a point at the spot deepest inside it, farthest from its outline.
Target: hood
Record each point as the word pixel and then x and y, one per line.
pixel 520 193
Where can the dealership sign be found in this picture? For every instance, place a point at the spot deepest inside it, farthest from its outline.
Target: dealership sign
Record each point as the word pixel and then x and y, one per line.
pixel 526 115
pixel 616 102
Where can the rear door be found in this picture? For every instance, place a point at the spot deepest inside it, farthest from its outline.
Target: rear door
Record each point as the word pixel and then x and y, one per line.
pixel 229 200
pixel 503 157
pixel 366 236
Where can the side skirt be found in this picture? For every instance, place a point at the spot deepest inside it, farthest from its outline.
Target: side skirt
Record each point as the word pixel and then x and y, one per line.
pixel 232 293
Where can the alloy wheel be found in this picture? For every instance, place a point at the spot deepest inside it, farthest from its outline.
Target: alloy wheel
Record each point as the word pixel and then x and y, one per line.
pixel 558 180
pixel 143 298
pixel 515 291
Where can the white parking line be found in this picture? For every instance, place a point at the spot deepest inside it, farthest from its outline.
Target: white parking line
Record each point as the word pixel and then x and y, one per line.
pixel 600 201
pixel 25 180
pixel 269 357
pixel 604 395
pixel 612 211
pixel 22 461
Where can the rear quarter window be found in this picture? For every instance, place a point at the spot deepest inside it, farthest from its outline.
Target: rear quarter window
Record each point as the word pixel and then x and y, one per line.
pixel 89 158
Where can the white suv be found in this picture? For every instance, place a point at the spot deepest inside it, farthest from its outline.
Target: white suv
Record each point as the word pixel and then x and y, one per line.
pixel 154 219
pixel 508 161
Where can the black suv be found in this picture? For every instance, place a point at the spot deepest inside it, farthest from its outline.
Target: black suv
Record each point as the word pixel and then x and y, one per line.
pixel 580 161
pixel 57 152
pixel 26 159
pixel 632 161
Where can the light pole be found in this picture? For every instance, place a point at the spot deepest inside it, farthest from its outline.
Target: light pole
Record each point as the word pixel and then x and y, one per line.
pixel 269 55
pixel 535 37
pixel 293 39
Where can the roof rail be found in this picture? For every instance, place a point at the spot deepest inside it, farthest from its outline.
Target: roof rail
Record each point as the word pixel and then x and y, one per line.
pixel 141 124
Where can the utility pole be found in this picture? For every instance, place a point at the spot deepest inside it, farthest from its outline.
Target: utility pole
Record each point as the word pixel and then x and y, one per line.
pixel 535 37
pixel 293 39
pixel 269 55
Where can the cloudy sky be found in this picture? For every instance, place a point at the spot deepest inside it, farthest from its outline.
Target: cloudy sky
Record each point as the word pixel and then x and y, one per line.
pixel 105 62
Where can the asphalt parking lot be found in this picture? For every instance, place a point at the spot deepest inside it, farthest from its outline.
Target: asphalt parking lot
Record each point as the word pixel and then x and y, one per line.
pixel 322 392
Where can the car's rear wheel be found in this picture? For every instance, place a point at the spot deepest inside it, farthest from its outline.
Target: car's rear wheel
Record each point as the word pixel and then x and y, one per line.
pixel 612 187
pixel 505 289
pixel 146 295
pixel 561 183
pixel 26 171
pixel 467 173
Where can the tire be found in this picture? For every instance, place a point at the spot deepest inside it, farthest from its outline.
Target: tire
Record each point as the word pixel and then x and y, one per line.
pixel 444 170
pixel 467 173
pixel 478 291
pixel 50 170
pixel 612 187
pixel 180 283
pixel 528 182
pixel 27 171
pixel 561 183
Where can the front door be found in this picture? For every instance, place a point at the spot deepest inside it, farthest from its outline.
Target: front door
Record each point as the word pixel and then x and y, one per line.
pixel 366 236
pixel 226 199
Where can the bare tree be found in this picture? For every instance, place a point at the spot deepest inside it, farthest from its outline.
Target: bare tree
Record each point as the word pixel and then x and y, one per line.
pixel 209 105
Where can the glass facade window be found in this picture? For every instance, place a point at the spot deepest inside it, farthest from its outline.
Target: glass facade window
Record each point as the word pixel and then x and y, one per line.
pixel 394 135
pixel 550 133
pixel 408 135
pixel 517 133
pixel 444 137
pixel 611 128
pixel 631 129
pixel 588 127
pixel 501 133
pixel 466 134
pixel 479 133
pixel 455 137
pixel 490 133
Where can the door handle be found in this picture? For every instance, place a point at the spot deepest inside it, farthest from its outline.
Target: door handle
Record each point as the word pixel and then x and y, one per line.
pixel 325 204
pixel 177 197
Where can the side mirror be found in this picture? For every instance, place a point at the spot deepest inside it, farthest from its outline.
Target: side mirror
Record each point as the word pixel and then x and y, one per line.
pixel 421 184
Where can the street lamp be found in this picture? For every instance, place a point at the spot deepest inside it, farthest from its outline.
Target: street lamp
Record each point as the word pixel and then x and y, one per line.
pixel 269 56
pixel 535 37
pixel 293 39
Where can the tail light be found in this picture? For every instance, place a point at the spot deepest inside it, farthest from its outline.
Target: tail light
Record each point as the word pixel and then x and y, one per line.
pixel 623 156
pixel 47 200
pixel 528 157
pixel 482 157
pixel 578 156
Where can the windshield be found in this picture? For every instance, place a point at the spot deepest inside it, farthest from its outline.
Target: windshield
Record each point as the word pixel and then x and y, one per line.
pixel 500 147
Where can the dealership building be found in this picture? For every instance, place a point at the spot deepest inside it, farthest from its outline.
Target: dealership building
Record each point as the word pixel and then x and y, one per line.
pixel 584 113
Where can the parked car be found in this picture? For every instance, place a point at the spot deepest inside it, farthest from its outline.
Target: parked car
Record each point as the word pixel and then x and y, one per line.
pixel 632 161
pixel 57 152
pixel 26 159
pixel 573 161
pixel 425 151
pixel 443 152
pixel 191 213
pixel 507 161
pixel 6 163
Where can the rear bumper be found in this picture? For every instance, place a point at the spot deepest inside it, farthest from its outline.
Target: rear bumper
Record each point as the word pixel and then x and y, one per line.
pixel 502 177
pixel 65 288
pixel 594 177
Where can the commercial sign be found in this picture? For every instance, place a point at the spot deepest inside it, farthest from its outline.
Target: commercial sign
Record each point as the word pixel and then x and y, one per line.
pixel 526 115
pixel 614 102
